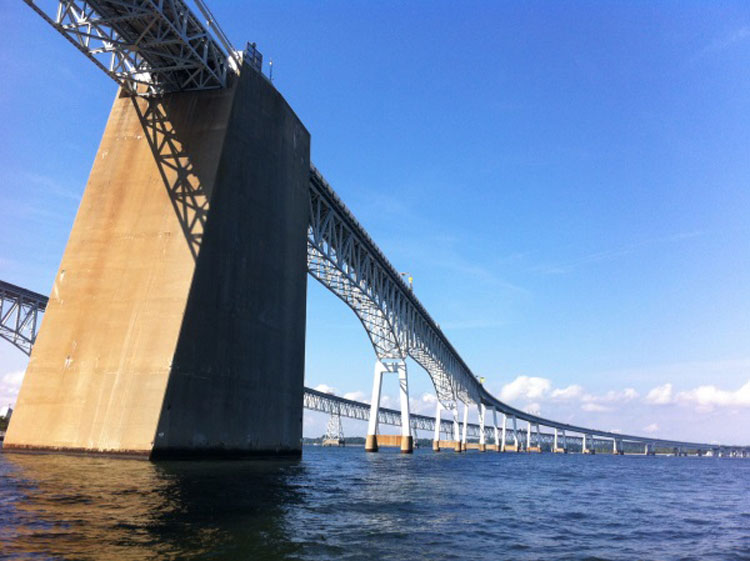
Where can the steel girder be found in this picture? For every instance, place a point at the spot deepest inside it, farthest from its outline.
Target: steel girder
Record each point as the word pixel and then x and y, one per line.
pixel 20 315
pixel 343 257
pixel 146 46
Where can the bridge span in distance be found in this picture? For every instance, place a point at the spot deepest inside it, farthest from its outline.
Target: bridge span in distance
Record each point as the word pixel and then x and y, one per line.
pixel 200 222
pixel 20 315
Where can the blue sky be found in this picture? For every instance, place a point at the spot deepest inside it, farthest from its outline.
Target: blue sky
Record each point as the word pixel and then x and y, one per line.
pixel 567 183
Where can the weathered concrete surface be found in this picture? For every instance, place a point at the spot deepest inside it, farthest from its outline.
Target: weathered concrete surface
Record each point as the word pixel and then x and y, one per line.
pixel 176 323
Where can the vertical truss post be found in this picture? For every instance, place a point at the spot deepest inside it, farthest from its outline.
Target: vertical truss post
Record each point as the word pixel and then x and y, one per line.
pixel 371 442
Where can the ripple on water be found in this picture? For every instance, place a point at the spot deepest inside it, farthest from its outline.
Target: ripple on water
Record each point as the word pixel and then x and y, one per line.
pixel 346 504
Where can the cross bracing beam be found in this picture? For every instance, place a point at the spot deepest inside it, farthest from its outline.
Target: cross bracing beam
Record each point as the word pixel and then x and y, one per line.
pixel 20 315
pixel 146 46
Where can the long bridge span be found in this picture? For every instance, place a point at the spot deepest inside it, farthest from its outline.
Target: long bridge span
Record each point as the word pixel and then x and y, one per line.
pixel 201 146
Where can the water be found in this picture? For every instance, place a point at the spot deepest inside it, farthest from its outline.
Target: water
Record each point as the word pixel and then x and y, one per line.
pixel 345 504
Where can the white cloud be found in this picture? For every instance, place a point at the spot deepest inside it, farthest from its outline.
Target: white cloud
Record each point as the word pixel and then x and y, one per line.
pixel 357 396
pixel 325 389
pixel 707 397
pixel 525 386
pixel 533 409
pixel 571 392
pixel 10 383
pixel 650 429
pixel 660 395
pixel 594 407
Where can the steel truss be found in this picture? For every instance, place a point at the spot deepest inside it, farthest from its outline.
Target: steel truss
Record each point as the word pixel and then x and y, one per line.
pixel 20 315
pixel 146 46
pixel 343 257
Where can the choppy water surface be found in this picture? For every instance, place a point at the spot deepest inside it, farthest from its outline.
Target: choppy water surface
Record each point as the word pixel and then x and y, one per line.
pixel 345 504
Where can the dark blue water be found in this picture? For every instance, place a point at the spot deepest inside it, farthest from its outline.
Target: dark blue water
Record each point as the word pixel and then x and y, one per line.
pixel 345 504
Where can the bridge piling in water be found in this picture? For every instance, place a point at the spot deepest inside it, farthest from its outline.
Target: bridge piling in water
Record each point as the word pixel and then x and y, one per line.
pixel 176 325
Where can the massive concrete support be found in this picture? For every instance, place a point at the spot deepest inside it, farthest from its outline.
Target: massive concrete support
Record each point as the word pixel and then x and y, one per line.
pixel 176 325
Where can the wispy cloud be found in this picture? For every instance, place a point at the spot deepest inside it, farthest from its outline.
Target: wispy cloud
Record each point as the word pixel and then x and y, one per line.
pixel 732 38
pixel 613 254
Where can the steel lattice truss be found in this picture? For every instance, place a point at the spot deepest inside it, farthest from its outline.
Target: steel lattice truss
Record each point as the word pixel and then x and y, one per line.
pixel 20 315
pixel 146 46
pixel 343 257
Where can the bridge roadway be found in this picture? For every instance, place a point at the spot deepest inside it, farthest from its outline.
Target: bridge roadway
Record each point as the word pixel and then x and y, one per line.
pixel 152 47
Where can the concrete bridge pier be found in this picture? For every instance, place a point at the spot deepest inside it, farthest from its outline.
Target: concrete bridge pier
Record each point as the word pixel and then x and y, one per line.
pixel 538 447
pixel 617 447
pixel 176 324
pixel 587 446
pixel 482 442
pixel 498 446
pixel 456 428
pixel 371 442
pixel 407 440
pixel 556 448
pixel 465 427
pixel 505 432
pixel 436 437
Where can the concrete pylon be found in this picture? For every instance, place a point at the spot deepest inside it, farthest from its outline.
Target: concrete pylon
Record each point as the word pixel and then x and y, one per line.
pixel 176 324
pixel 371 442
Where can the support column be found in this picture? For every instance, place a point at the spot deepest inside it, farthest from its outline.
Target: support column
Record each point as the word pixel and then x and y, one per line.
pixel 407 441
pixel 528 436
pixel 465 427
pixel 588 444
pixel 436 438
pixel 497 432
pixel 456 429
pixel 482 441
pixel 371 442
pixel 176 325
pixel 516 440
pixel 505 431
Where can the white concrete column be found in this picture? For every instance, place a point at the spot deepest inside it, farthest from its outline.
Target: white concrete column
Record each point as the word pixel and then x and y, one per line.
pixel 505 431
pixel 528 435
pixel 565 441
pixel 555 446
pixel 614 446
pixel 437 421
pixel 516 440
pixel 456 429
pixel 482 438
pixel 497 432
pixel 465 427
pixel 407 441
pixel 583 446
pixel 371 443
pixel 538 437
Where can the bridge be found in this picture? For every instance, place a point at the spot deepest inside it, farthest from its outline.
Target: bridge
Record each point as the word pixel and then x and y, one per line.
pixel 200 222
pixel 20 321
